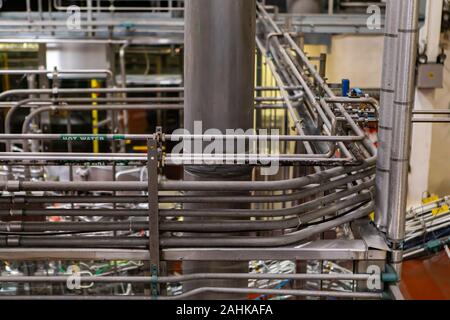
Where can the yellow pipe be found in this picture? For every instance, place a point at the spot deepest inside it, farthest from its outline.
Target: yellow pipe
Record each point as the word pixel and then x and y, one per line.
pixel 5 77
pixel 95 85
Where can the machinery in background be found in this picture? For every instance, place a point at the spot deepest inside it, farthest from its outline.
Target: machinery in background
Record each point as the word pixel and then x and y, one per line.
pixel 91 188
pixel 428 227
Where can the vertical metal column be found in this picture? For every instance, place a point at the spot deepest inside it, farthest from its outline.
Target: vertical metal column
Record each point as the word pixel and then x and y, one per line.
pixel 219 63
pixel 401 139
pixel 390 66
pixel 219 92
pixel 153 211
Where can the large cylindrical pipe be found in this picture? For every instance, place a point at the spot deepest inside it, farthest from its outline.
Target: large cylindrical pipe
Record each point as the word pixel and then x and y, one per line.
pixel 304 6
pixel 386 121
pixel 219 63
pixel 401 138
pixel 219 92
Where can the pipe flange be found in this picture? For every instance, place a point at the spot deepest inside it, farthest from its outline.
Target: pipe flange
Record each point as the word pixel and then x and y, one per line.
pixel 16 212
pixel 12 241
pixel 18 199
pixel 396 256
pixel 12 186
pixel 14 227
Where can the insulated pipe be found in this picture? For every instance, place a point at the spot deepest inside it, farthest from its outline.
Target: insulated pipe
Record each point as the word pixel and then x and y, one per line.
pixel 332 186
pixel 75 212
pixel 295 196
pixel 73 242
pixel 243 160
pixel 189 277
pixel 57 91
pixel 75 227
pixel 295 183
pixel 264 225
pixel 386 114
pixel 109 74
pixel 218 186
pixel 302 194
pixel 284 240
pixel 236 213
pixel 177 137
pixel 186 226
pixel 183 242
pixel 210 290
pixel 219 56
pixel 23 200
pixel 401 138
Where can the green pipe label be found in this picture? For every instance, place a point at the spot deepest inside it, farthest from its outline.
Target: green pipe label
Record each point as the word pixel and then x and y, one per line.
pixel 81 137
pixel 92 163
pixel 76 137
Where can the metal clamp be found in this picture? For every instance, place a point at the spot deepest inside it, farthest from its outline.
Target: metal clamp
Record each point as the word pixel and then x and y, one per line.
pixel 159 137
pixel 153 245
pixel 12 186
pixel 14 227
pixel 16 212
pixel 18 199
pixel 12 241
pixel 154 282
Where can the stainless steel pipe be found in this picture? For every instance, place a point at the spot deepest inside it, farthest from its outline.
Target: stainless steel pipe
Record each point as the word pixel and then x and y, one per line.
pixel 408 34
pixel 386 114
pixel 219 56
